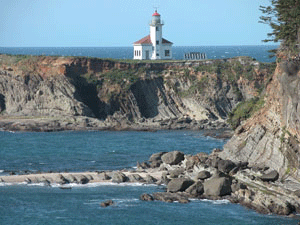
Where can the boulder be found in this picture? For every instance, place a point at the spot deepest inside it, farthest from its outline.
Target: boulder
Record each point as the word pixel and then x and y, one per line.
pixel 196 189
pixel 150 180
pixel 179 184
pixel 71 178
pixel 175 173
pixel 170 197
pixel 156 156
pixel 119 177
pixel 202 175
pixel 272 176
pixel 104 176
pixel 218 186
pixel 225 166
pixel 173 158
pixel 146 197
pixel 214 162
pixel 135 178
pixel 164 178
pixel 107 203
pixel 81 179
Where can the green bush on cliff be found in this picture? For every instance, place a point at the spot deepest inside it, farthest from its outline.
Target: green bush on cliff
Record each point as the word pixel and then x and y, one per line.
pixel 245 110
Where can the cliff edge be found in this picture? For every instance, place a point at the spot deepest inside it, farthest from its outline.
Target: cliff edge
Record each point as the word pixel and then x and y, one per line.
pixel 270 139
pixel 43 93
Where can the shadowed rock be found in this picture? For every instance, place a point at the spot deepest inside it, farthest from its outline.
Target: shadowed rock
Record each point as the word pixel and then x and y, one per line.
pixel 119 177
pixel 196 189
pixel 272 176
pixel 218 186
pixel 225 166
pixel 170 197
pixel 146 197
pixel 106 203
pixel 135 178
pixel 202 175
pixel 173 158
pixel 179 184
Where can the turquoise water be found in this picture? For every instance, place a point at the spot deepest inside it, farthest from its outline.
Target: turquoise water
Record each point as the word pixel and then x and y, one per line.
pixel 80 151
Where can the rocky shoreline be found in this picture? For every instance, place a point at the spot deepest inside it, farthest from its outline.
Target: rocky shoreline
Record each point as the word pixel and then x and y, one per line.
pixel 199 176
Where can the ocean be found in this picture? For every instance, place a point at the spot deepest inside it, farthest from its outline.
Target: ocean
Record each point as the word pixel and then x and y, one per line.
pixel 106 150
pixel 259 52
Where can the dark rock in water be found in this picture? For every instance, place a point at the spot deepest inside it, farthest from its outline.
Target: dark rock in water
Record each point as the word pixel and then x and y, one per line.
pixel 119 177
pixel 135 178
pixel 170 197
pixel 150 180
pixel 175 173
pixel 202 175
pixel 179 184
pixel 196 189
pixel 146 197
pixel 272 176
pixel 107 203
pixel 225 166
pixel 172 158
pixel 65 188
pixel 218 186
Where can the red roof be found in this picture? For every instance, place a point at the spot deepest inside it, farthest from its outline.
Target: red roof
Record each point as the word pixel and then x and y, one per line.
pixel 145 40
pixel 156 13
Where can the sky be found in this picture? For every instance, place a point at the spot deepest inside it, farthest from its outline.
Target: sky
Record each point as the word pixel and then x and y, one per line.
pixel 103 23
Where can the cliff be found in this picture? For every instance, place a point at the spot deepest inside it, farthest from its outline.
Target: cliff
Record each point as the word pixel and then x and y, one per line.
pixel 271 137
pixel 57 93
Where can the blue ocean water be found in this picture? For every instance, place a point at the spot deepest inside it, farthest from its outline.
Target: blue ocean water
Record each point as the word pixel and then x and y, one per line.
pixel 82 151
pixel 259 52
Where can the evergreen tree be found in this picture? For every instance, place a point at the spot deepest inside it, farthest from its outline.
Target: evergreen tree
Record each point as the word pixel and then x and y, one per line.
pixel 284 18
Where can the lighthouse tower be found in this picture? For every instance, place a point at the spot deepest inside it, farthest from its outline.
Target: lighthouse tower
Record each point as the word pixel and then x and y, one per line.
pixel 156 35
pixel 153 46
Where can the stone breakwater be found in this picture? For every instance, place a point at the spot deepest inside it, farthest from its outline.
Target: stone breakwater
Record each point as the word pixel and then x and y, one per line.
pixel 200 176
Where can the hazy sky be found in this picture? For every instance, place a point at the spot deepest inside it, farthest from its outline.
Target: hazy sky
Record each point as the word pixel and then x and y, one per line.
pixel 98 23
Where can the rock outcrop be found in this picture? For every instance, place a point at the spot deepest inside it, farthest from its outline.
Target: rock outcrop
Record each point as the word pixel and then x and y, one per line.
pixel 58 93
pixel 271 137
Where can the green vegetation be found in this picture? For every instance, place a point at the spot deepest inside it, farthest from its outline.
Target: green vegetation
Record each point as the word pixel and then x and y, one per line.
pixel 245 110
pixel 284 18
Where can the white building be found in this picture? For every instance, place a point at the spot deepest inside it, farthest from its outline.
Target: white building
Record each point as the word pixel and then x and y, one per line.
pixel 153 46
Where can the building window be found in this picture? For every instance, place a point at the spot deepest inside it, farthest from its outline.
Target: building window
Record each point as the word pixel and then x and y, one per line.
pixel 140 53
pixel 157 28
pixel 157 42
pixel 167 52
pixel 135 53
pixel 157 54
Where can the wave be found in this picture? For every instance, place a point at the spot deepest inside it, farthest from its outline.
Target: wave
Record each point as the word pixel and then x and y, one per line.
pixel 216 202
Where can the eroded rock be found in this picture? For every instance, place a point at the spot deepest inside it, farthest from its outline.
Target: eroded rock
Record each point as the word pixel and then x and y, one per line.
pixel 173 158
pixel 179 184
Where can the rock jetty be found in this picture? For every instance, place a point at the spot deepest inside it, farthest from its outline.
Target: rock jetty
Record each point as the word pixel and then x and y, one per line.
pixel 199 176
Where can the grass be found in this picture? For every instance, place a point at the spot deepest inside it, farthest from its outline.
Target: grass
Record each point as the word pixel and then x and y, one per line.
pixel 245 110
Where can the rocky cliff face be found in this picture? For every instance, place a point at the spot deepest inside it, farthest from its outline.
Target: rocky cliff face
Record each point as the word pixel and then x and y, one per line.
pixel 85 93
pixel 271 137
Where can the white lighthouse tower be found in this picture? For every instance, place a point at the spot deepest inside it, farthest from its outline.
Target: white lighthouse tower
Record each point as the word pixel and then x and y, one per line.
pixel 153 46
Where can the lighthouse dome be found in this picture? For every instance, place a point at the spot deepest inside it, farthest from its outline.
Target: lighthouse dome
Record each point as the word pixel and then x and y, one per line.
pixel 155 18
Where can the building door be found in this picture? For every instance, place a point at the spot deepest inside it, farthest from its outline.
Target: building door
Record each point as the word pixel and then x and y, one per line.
pixel 147 54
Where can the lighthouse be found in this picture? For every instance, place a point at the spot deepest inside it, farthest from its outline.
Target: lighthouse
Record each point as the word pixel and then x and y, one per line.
pixel 153 46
